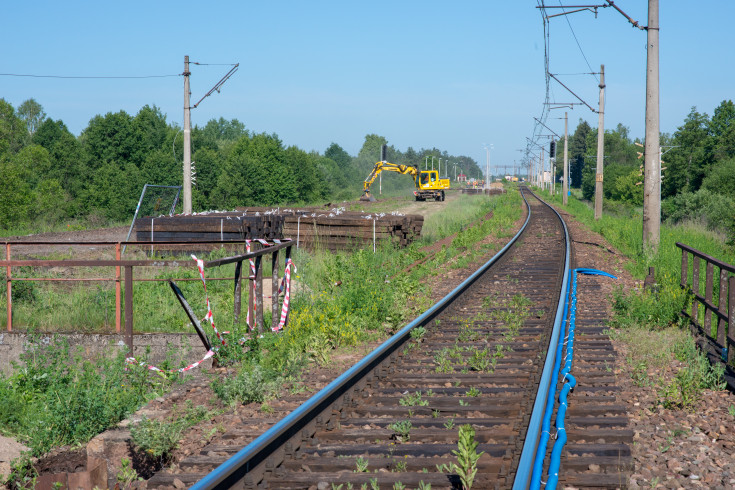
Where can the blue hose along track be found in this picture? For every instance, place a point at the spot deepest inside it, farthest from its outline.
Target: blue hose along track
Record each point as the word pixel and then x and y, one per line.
pixel 239 465
pixel 528 471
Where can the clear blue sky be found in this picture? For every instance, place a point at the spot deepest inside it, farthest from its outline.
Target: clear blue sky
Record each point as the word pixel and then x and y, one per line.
pixel 451 75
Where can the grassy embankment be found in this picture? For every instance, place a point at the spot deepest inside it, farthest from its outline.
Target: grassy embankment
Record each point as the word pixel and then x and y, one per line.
pixel 649 322
pixel 49 402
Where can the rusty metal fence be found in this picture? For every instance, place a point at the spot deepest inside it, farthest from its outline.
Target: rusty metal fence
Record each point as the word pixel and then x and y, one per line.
pixel 123 275
pixel 717 324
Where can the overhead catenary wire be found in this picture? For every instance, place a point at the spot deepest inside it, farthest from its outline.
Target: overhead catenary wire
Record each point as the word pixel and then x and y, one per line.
pixel 578 45
pixel 87 77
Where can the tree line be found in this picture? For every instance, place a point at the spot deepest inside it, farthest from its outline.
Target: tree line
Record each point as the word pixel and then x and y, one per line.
pixel 51 175
pixel 699 159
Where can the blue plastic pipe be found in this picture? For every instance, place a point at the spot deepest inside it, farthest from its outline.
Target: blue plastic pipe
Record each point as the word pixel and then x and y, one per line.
pixel 533 433
pixel 538 464
pixel 570 382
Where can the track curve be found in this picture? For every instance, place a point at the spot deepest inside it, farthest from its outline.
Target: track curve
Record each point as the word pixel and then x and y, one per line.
pixel 475 358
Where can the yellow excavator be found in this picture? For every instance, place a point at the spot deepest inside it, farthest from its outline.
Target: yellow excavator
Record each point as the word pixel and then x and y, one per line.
pixel 427 182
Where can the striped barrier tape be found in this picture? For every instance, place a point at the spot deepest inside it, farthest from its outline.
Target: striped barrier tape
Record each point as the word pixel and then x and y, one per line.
pixel 285 285
pixel 209 316
pixel 150 367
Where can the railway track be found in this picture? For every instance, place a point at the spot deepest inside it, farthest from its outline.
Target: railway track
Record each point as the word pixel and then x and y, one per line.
pixel 475 358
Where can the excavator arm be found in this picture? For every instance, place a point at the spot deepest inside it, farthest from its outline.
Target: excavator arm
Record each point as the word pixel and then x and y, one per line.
pixel 385 167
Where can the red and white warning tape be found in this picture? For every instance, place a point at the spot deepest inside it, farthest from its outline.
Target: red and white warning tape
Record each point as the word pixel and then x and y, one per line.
pixel 286 283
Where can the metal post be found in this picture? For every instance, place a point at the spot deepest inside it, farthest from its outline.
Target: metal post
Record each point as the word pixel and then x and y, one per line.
pixel 600 146
pixel 118 319
pixel 722 307
pixel 652 163
pixel 9 286
pixel 288 285
pixel 187 140
pixel 565 186
pixel 543 167
pixel 129 308
pixel 695 290
pixel 731 317
pixel 259 292
pixel 274 290
pixel 238 292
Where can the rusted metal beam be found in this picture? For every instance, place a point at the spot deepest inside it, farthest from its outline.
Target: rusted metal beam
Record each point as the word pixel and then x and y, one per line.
pixel 192 317
pixel 9 278
pixel 238 291
pixel 274 290
pixel 251 255
pixel 129 308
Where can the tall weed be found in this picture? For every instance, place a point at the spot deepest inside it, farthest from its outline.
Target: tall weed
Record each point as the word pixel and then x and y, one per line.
pixel 56 398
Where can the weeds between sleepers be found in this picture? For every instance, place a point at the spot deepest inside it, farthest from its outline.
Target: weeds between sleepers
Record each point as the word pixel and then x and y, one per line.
pixel 323 317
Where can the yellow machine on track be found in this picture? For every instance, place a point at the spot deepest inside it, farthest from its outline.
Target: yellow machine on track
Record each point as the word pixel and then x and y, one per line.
pixel 427 182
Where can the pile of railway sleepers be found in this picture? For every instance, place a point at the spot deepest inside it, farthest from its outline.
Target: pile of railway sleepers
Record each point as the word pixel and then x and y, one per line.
pixel 490 192
pixel 210 227
pixel 338 229
pixel 309 227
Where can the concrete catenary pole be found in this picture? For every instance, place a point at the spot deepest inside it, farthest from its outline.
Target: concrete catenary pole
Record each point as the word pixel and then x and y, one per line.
pixel 541 170
pixel 652 162
pixel 565 185
pixel 600 146
pixel 187 139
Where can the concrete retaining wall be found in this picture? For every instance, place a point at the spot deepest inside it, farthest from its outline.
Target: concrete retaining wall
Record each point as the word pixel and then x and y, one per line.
pixel 161 346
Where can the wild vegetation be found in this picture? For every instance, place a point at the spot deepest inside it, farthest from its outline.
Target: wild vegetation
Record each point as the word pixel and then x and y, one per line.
pixel 698 180
pixel 36 405
pixel 52 177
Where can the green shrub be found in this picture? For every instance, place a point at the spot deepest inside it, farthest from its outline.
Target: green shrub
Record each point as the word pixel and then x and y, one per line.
pixel 657 310
pixel 715 210
pixel 158 438
pixel 55 399
pixel 251 384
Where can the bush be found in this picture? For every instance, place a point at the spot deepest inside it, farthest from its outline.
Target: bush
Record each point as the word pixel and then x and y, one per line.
pixel 158 438
pixel 56 399
pixel 657 310
pixel 715 210
pixel 251 384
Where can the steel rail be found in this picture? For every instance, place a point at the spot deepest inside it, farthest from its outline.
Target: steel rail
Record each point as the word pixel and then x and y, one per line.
pixel 248 458
pixel 533 433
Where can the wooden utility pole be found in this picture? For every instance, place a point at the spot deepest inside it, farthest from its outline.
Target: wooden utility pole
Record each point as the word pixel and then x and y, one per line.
pixel 652 162
pixel 565 185
pixel 600 146
pixel 187 139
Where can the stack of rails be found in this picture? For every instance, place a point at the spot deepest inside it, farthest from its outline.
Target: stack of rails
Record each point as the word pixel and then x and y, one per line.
pixel 490 192
pixel 336 229
pixel 310 227
pixel 211 227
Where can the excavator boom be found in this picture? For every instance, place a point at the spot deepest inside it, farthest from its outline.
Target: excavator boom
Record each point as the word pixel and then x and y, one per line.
pixel 385 167
pixel 427 182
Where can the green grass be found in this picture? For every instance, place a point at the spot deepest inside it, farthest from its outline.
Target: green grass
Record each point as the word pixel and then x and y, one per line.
pixel 52 401
pixel 49 401
pixel 649 322
pixel 626 234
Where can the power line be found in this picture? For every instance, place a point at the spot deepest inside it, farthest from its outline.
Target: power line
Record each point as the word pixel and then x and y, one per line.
pixel 578 45
pixel 212 64
pixel 86 77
